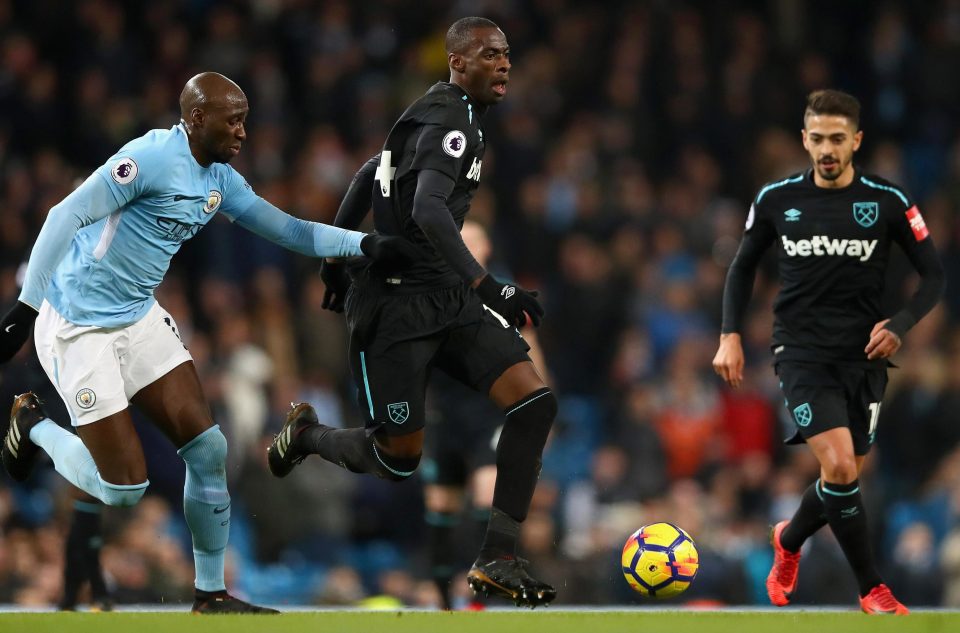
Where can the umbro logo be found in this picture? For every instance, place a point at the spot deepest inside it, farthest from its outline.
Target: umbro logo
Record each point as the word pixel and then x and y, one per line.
pixel 792 215
pixel 507 292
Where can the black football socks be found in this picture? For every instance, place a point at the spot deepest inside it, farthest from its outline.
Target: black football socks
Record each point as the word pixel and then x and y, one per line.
pixel 354 450
pixel 518 468
pixel 848 520
pixel 809 517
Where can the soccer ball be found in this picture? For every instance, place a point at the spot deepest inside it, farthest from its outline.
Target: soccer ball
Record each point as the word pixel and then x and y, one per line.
pixel 660 560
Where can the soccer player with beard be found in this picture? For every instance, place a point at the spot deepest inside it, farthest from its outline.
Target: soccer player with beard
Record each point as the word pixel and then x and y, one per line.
pixel 834 226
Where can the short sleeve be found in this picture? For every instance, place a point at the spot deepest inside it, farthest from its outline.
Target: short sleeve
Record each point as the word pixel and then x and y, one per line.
pixel 238 195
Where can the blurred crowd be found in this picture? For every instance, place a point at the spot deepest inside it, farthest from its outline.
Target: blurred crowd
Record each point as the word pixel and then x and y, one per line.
pixel 617 178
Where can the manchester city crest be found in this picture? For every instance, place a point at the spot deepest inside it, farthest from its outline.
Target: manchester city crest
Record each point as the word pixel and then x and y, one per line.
pixel 866 213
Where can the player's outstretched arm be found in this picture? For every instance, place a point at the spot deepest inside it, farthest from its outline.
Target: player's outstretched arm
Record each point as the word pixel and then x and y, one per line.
pixel 89 202
pixel 321 240
pixel 432 215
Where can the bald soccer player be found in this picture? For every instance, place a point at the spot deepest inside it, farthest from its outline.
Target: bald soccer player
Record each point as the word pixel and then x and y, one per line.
pixel 105 342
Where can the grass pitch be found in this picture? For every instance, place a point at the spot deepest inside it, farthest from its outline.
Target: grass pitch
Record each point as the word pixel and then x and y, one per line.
pixel 550 621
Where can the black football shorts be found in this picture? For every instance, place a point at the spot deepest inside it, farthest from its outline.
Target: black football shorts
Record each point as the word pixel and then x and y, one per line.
pixel 397 339
pixel 820 397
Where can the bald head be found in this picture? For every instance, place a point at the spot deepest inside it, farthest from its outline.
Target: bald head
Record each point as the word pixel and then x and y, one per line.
pixel 209 90
pixel 214 111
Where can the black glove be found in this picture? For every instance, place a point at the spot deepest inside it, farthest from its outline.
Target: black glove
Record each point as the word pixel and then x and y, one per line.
pixel 15 330
pixel 389 249
pixel 337 281
pixel 513 303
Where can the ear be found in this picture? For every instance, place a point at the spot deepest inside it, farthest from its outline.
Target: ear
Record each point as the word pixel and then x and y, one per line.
pixel 857 139
pixel 456 62
pixel 803 135
pixel 196 117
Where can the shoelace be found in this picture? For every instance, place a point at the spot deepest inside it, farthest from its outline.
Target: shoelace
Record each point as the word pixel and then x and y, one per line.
pixel 788 566
pixel 885 598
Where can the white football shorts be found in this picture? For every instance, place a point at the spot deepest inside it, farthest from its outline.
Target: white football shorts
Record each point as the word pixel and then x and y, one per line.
pixel 97 370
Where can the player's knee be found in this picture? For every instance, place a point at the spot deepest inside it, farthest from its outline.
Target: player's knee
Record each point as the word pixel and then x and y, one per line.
pixel 122 496
pixel 550 406
pixel 840 470
pixel 536 412
pixel 393 467
pixel 206 454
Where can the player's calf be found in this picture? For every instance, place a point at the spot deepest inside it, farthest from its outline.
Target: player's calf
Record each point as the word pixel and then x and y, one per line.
pixel 351 449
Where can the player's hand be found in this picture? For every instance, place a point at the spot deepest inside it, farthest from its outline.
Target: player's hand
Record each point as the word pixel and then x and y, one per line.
pixel 883 343
pixel 15 329
pixel 337 281
pixel 390 250
pixel 728 362
pixel 510 301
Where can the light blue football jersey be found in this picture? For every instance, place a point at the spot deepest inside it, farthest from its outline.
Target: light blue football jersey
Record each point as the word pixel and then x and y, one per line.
pixel 165 197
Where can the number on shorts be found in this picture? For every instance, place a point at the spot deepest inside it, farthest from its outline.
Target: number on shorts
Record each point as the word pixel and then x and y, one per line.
pixel 874 416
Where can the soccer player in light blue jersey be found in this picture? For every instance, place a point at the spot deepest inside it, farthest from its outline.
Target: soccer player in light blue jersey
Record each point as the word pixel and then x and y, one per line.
pixel 105 342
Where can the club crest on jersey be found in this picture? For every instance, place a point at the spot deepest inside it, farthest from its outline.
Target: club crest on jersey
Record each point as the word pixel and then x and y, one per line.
pixel 125 171
pixel 803 414
pixel 213 201
pixel 86 398
pixel 455 143
pixel 866 213
pixel 398 412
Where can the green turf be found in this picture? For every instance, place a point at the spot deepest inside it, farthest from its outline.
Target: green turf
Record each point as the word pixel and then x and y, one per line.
pixel 487 622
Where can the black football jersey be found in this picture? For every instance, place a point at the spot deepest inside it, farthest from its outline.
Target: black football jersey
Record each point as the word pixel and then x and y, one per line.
pixel 833 246
pixel 441 130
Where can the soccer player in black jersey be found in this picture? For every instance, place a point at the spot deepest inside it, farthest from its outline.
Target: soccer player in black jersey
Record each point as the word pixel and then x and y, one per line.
pixel 443 311
pixel 833 226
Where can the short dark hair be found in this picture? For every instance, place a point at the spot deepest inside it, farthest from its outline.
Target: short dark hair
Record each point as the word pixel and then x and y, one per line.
pixel 835 102
pixel 459 34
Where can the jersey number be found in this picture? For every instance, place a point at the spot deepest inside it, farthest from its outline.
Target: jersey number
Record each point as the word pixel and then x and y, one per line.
pixel 874 416
pixel 385 172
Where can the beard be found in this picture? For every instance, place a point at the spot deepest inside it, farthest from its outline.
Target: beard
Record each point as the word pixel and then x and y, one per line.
pixel 839 168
